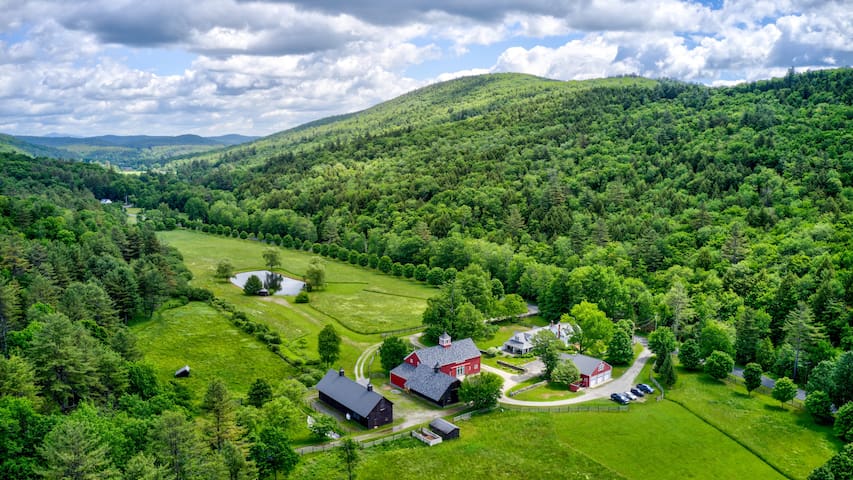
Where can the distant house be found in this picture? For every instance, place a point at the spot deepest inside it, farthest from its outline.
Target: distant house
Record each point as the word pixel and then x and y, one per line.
pixel 358 402
pixel 435 373
pixel 444 429
pixel 522 342
pixel 593 371
pixel 106 201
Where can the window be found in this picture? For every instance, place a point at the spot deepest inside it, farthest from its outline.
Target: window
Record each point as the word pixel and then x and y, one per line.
pixel 460 370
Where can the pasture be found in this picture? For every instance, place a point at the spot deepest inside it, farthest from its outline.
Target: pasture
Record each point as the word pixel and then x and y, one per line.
pixel 201 337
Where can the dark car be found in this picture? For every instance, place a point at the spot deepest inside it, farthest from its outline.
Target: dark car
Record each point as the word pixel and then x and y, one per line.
pixel 638 392
pixel 618 398
pixel 645 388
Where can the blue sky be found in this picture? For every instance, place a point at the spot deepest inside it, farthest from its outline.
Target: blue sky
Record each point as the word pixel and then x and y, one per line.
pixel 159 67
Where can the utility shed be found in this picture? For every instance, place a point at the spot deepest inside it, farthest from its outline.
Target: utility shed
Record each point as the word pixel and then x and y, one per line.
pixel 444 429
pixel 361 403
pixel 183 371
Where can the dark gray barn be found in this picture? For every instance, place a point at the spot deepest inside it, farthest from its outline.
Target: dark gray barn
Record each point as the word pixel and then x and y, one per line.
pixel 361 403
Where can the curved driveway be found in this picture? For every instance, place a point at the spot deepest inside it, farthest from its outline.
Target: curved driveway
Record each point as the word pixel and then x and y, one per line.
pixel 621 384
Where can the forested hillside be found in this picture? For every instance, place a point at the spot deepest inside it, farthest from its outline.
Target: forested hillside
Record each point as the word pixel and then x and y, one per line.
pixel 662 202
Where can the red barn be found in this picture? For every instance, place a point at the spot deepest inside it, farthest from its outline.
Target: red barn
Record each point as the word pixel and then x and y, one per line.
pixel 593 371
pixel 434 372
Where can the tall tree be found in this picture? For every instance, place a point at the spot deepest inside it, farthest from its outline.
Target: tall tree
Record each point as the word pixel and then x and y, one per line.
pixel 690 355
pixel 666 372
pixel 800 331
pixel 661 343
pixel 328 345
pixel 272 453
pixel 392 352
pixel 565 373
pixel 174 441
pixel 481 391
pixel 595 328
pixel 10 311
pixel 546 347
pixel 719 365
pixel 620 350
pixel 348 451
pixel 260 392
pixel 842 391
pixel 315 274
pixel 680 303
pixel 220 405
pixel 74 450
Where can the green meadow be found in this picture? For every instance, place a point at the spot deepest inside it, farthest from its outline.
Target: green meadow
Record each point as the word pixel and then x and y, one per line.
pixel 201 337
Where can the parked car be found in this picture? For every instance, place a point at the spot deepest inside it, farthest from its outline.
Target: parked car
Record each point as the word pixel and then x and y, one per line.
pixel 645 388
pixel 629 395
pixel 638 392
pixel 618 398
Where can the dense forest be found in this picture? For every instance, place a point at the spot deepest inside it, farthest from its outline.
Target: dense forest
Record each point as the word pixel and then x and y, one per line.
pixel 662 202
pixel 722 213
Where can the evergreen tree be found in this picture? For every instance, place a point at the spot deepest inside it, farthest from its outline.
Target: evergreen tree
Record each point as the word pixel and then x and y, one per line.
pixel 765 354
pixel 348 451
pixel 218 402
pixel 253 285
pixel 666 372
pixel 73 449
pixel 661 343
pixel 842 391
pixel 260 392
pixel 272 453
pixel 800 332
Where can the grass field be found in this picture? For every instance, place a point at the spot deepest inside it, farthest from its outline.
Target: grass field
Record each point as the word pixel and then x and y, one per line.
pixel 199 336
pixel 785 436
pixel 659 440
pixel 358 301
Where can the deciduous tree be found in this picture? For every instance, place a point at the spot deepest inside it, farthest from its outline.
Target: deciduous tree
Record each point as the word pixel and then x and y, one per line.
pixel 661 343
pixel 565 373
pixel 620 351
pixel 719 365
pixel 690 355
pixel 819 406
pixel 752 376
pixel 481 391
pixel 260 392
pixel 392 352
pixel 785 390
pixel 594 325
pixel 328 345
pixel 844 422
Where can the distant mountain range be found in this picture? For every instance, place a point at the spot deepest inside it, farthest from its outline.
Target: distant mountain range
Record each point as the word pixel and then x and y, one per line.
pixel 127 152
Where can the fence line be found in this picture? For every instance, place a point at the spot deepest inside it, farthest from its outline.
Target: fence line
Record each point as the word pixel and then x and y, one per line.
pixel 372 443
pixel 529 387
pixel 567 408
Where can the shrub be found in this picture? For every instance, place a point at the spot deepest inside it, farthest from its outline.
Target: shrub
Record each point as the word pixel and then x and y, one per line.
pixel 844 422
pixel 253 285
pixel 690 355
pixel 301 297
pixel 408 270
pixel 819 406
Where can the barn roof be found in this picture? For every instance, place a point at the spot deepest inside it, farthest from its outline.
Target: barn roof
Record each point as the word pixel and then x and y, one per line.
pixel 424 380
pixel 586 364
pixel 442 425
pixel 457 352
pixel 348 393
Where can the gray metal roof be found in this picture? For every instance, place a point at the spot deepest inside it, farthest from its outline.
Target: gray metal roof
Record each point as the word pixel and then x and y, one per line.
pixel 424 380
pixel 348 393
pixel 442 425
pixel 457 352
pixel 586 364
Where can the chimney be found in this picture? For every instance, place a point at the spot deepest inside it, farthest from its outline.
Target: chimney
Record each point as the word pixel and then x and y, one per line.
pixel 369 387
pixel 341 372
pixel 436 368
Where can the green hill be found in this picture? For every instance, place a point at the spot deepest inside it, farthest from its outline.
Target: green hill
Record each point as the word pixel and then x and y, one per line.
pixel 647 186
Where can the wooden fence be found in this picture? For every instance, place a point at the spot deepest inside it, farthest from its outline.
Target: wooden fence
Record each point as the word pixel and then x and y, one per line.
pixel 371 443
pixel 567 408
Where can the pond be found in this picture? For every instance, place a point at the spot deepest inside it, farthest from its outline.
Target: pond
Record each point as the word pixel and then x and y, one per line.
pixel 289 286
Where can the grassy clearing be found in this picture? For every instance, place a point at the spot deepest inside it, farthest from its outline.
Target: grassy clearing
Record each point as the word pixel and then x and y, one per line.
pixel 785 436
pixel 356 299
pixel 547 393
pixel 643 443
pixel 199 336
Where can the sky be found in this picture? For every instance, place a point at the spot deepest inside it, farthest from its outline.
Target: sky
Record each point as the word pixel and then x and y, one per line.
pixel 212 67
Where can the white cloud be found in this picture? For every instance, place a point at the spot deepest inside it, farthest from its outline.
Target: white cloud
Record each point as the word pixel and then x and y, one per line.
pixel 261 66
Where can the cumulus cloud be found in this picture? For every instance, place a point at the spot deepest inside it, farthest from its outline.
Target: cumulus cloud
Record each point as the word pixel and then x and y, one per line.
pixel 262 66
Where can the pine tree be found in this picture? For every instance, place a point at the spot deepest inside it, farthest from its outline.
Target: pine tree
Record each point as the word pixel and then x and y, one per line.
pixel 666 372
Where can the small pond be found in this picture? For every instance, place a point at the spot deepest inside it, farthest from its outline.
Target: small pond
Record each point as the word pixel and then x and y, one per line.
pixel 289 286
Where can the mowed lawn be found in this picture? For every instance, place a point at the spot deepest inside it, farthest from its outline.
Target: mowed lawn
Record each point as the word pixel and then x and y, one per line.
pixel 660 440
pixel 359 302
pixel 785 436
pixel 199 336
pixel 360 299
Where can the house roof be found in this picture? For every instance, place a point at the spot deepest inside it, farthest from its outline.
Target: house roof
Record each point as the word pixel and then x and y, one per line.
pixel 457 352
pixel 563 331
pixel 424 380
pixel 586 364
pixel 442 425
pixel 348 393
